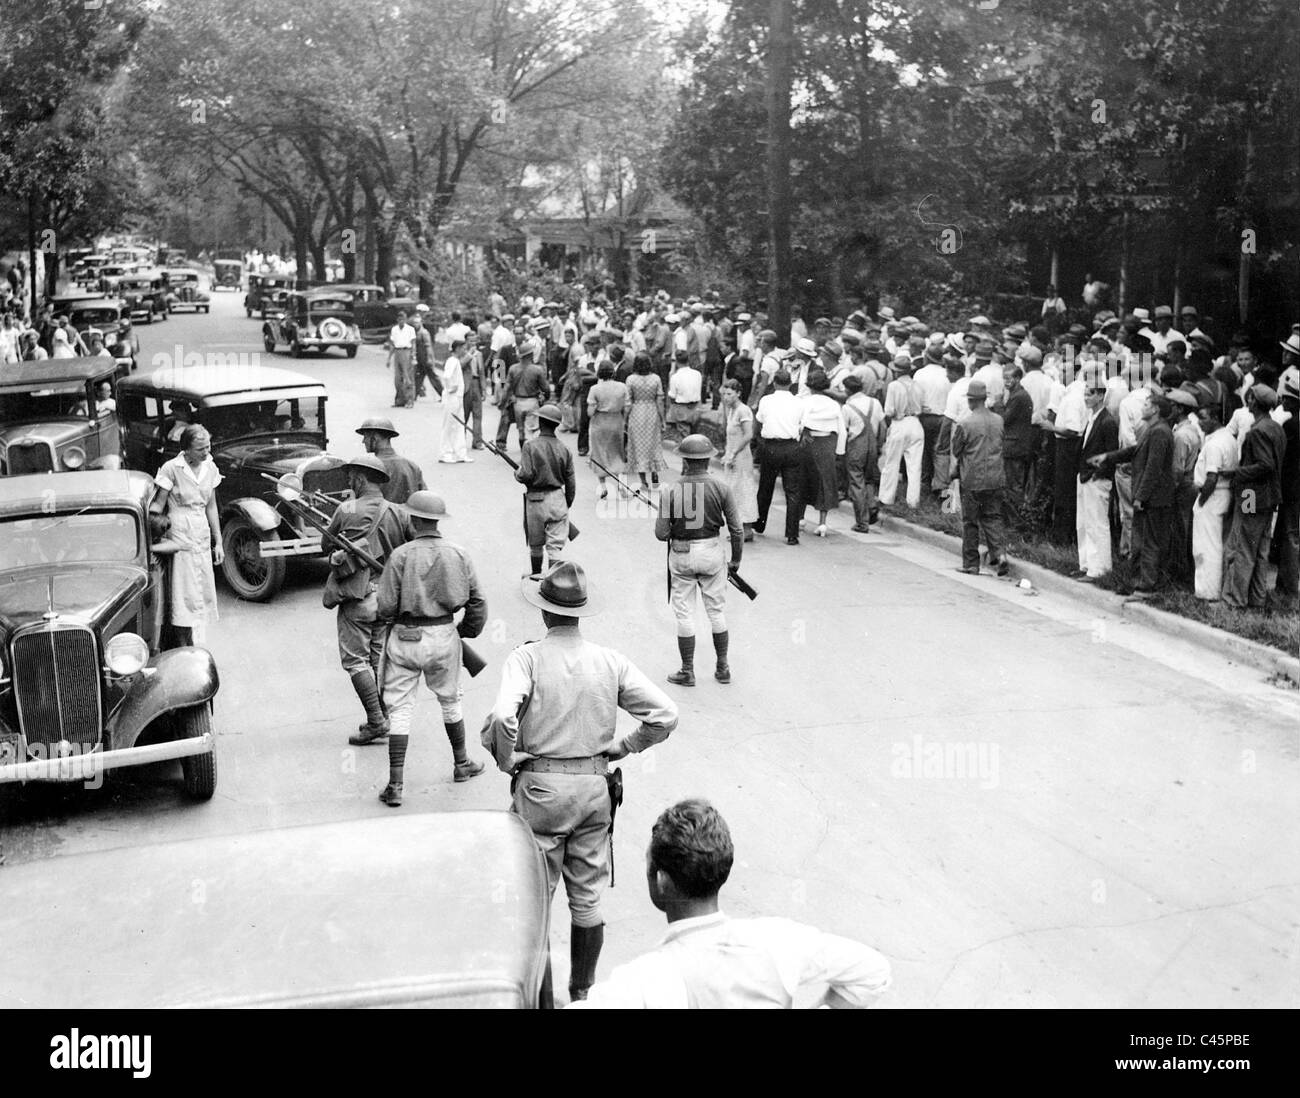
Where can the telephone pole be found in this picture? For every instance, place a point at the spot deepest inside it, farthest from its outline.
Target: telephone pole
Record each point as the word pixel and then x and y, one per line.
pixel 780 77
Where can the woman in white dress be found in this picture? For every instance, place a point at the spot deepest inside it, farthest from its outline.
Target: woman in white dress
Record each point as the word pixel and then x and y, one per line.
pixel 453 404
pixel 187 491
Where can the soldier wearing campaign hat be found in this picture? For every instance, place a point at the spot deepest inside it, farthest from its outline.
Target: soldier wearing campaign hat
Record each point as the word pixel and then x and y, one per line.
pixel 370 521
pixel 692 513
pixel 426 582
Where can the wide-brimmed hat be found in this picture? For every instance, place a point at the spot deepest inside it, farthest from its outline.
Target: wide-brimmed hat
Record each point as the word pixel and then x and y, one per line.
pixel 370 464
pixel 379 425
pixel 805 347
pixel 551 413
pixel 1292 344
pixel 426 505
pixel 562 590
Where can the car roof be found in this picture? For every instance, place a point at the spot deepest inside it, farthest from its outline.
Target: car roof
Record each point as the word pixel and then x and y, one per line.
pixel 236 262
pixel 19 494
pixel 441 907
pixel 182 270
pixel 97 302
pixel 199 382
pixel 352 286
pixel 54 371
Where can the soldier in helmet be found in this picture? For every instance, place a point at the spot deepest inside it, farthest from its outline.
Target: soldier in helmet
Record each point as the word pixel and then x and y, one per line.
pixel 404 476
pixel 692 512
pixel 379 527
pixel 426 582
pixel 546 472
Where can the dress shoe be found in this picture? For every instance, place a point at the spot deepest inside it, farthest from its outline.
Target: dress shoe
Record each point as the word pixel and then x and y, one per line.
pixel 722 673
pixel 466 770
pixel 682 678
pixel 392 794
pixel 821 530
pixel 467 461
pixel 968 571
pixel 861 529
pixel 477 446
pixel 792 541
pixel 366 735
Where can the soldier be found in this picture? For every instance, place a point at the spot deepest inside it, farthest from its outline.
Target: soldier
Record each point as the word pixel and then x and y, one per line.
pixel 404 476
pixel 546 472
pixel 691 513
pixel 425 583
pixel 556 742
pixel 380 527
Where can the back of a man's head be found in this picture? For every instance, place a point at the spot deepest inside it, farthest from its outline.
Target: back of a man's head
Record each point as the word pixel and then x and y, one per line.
pixel 691 844
pixel 780 380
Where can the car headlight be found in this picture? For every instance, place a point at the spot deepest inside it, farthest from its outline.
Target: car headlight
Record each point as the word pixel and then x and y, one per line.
pixel 126 654
pixel 74 458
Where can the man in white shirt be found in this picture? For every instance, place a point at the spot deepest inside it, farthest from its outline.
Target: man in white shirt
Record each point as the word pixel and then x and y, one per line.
pixel 801 364
pixel 401 345
pixel 1164 332
pixel 685 387
pixel 1131 413
pixel 709 960
pixel 779 416
pixel 905 442
pixel 932 385
pixel 453 399
pixel 457 330
pixel 1067 416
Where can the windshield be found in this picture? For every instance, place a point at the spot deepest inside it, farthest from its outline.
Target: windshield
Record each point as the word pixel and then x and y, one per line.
pixel 101 536
pixel 44 404
pixel 265 417
pixel 82 317
pixel 332 308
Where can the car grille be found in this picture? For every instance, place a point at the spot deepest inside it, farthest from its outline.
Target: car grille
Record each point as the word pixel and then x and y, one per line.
pixel 330 481
pixel 56 681
pixel 30 457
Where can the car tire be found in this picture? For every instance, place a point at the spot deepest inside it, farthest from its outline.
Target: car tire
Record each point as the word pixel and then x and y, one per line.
pixel 207 308
pixel 351 351
pixel 295 349
pixel 199 771
pixel 249 312
pixel 248 574
pixel 269 343
pixel 149 319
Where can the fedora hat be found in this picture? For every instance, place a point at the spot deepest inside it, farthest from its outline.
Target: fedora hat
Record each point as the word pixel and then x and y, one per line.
pixel 562 590
pixel 426 505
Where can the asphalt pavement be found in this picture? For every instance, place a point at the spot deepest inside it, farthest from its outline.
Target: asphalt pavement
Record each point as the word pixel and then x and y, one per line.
pixel 1021 801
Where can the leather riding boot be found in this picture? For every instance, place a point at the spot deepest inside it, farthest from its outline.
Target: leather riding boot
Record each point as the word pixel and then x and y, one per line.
pixel 720 643
pixel 585 944
pixel 686 676
pixel 376 726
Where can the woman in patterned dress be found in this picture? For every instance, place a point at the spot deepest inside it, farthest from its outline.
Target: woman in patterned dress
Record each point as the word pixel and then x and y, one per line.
pixel 645 420
pixel 738 459
pixel 607 409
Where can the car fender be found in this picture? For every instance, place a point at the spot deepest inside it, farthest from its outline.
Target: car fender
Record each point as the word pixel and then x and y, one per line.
pixel 268 330
pixel 107 461
pixel 181 677
pixel 261 514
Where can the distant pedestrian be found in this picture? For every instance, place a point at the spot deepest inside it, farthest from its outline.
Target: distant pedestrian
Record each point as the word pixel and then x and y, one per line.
pixel 977 462
pixel 607 408
pixel 738 458
pixel 546 472
pixel 1092 496
pixel 905 441
pixel 864 431
pixel 823 440
pixel 645 421
pixel 1215 465
pixel 401 347
pixel 1257 490
pixel 779 416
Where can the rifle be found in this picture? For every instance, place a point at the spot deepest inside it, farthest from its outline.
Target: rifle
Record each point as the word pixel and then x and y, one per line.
pixel 734 578
pixel 492 447
pixel 297 499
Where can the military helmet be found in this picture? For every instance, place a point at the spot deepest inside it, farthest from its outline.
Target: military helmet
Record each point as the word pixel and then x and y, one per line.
pixel 696 446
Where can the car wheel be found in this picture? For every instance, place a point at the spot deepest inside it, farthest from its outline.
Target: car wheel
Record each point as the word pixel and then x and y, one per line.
pixel 269 343
pixel 352 351
pixel 250 575
pixel 295 349
pixel 199 771
pixel 149 319
pixel 249 312
pixel 207 308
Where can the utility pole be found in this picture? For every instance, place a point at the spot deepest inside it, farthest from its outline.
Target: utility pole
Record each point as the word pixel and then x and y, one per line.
pixel 780 78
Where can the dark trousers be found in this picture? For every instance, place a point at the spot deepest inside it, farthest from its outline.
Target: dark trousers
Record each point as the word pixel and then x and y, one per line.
pixel 781 458
pixel 1016 470
pixel 474 408
pixel 506 418
pixel 1152 528
pixel 860 459
pixel 1245 559
pixel 1064 484
pixel 584 419
pixel 1180 536
pixel 981 516
pixel 424 371
pixel 1287 532
pixel 931 425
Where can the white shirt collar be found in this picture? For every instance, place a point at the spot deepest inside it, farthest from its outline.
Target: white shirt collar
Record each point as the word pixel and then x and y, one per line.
pixel 686 926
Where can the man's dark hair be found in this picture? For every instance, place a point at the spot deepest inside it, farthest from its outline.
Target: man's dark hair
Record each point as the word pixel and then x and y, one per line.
pixel 1171 377
pixel 691 844
pixel 781 379
pixel 1014 371
pixel 1039 334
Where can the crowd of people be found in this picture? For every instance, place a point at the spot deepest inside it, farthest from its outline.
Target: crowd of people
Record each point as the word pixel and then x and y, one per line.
pixel 1041 430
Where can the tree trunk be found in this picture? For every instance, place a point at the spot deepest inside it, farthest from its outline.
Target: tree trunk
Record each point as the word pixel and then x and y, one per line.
pixel 384 240
pixel 301 241
pixel 780 69
pixel 1123 265
pixel 31 249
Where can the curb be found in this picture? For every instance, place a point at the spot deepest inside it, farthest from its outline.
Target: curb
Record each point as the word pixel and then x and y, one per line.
pixel 1228 645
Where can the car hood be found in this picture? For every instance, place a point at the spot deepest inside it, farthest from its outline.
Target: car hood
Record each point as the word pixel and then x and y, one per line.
pixel 87 591
pixel 50 432
pixel 264 455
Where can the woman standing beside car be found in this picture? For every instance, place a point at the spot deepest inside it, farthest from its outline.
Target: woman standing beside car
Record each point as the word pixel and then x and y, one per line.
pixel 187 491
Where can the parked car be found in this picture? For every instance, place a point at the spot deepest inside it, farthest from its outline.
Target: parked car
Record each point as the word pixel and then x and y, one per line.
pixel 48 419
pixel 103 315
pixel 84 684
pixel 145 295
pixel 288 919
pixel 86 270
pixel 262 420
pixel 110 275
pixel 183 291
pixel 375 311
pixel 313 321
pixel 174 257
pixel 266 293
pixel 227 273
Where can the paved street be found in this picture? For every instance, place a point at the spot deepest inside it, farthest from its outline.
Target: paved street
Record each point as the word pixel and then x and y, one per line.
pixel 1020 802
